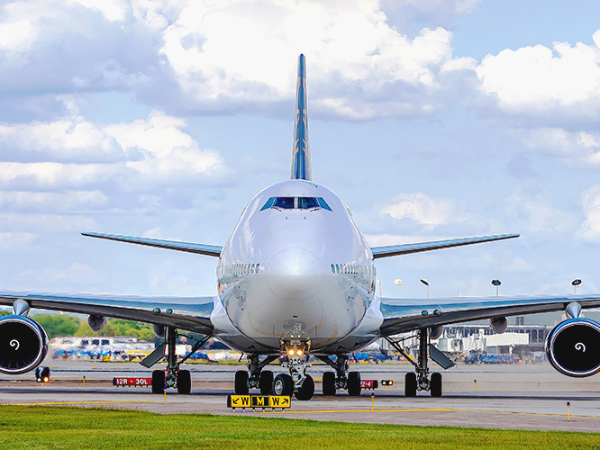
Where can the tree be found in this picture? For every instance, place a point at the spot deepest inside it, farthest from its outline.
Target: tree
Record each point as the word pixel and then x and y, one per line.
pixel 119 327
pixel 58 324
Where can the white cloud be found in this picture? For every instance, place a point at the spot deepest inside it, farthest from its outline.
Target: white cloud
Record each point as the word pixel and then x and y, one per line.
pixel 16 241
pixel 590 203
pixel 425 209
pixel 52 201
pixel 156 149
pixel 535 213
pixel 348 44
pixel 113 10
pixel 542 80
pixel 519 265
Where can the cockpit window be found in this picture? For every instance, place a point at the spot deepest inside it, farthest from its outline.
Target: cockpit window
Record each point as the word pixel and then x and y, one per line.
pixel 296 203
pixel 323 204
pixel 307 203
pixel 284 202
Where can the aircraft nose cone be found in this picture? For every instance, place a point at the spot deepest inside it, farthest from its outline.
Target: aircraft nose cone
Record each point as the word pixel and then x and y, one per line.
pixel 295 274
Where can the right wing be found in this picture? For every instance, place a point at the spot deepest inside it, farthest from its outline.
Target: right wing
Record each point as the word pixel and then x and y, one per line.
pixel 190 247
pixel 189 313
pixel 394 250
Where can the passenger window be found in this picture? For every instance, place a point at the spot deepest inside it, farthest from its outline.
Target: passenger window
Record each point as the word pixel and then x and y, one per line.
pixel 284 203
pixel 323 204
pixel 307 203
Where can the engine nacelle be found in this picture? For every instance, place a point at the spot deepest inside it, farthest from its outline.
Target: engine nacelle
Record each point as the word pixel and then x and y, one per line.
pixel 498 324
pixel 23 344
pixel 573 347
pixel 436 332
pixel 96 323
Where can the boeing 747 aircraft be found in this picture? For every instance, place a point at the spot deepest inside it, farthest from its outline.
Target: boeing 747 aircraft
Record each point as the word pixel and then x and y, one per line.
pixel 295 279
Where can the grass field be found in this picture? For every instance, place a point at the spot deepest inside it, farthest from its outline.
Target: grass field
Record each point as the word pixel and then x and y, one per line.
pixel 80 428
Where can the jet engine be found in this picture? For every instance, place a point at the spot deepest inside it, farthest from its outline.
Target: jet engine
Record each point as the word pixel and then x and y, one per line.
pixel 498 324
pixel 23 344
pixel 573 347
pixel 96 323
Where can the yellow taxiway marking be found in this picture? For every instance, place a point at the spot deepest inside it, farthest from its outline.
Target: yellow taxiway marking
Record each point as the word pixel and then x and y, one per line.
pixel 80 403
pixel 425 410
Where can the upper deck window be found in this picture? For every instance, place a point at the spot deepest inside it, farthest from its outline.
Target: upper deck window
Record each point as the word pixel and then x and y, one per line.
pixel 296 203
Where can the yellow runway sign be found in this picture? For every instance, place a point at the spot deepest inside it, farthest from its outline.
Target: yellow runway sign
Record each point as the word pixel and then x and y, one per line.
pixel 258 401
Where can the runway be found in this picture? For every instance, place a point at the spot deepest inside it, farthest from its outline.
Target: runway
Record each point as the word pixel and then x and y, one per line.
pixel 512 397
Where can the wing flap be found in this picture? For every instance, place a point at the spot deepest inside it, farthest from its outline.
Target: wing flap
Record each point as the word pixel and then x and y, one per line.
pixel 190 247
pixel 394 250
pixel 189 313
pixel 403 315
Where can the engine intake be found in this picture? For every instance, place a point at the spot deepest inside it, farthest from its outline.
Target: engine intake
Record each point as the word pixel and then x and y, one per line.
pixel 23 344
pixel 573 347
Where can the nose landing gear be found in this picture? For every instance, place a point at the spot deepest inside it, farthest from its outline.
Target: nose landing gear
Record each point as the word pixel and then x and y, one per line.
pixel 295 348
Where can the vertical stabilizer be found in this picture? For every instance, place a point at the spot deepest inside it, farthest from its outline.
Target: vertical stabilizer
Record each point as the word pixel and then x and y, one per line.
pixel 301 153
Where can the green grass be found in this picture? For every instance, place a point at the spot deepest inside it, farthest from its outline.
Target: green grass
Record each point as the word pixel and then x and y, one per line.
pixel 80 428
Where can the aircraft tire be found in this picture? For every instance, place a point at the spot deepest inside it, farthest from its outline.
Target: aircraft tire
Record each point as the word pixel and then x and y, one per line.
pixel 283 385
pixel 265 382
pixel 329 387
pixel 158 381
pixel 436 384
pixel 307 390
pixel 410 385
pixel 184 382
pixel 241 383
pixel 353 384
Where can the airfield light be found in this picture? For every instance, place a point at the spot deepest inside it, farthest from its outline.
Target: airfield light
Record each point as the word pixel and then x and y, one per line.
pixel 426 283
pixel 576 285
pixel 496 283
pixel 398 283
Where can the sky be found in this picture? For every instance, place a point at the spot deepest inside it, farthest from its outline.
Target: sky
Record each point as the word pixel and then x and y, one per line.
pixel 431 119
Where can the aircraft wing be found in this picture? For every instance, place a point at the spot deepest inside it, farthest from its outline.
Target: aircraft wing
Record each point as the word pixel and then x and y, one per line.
pixel 394 250
pixel 189 313
pixel 190 247
pixel 402 315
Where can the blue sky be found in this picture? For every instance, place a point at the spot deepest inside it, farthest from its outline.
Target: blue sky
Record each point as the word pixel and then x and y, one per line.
pixel 430 119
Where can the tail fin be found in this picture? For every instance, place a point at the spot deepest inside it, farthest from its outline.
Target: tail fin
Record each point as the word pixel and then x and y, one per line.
pixel 301 153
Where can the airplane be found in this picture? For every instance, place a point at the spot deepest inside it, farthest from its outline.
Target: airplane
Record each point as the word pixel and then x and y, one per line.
pixel 296 279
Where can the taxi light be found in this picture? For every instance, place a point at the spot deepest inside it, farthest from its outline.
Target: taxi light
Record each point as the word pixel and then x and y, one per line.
pixel 291 352
pixel 299 352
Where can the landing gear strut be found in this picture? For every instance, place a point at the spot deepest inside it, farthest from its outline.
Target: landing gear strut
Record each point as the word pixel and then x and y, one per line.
pixel 420 380
pixel 173 376
pixel 295 348
pixel 255 376
pixel 333 382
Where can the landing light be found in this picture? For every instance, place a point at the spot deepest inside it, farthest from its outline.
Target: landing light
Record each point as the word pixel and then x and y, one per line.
pixel 291 352
pixel 299 352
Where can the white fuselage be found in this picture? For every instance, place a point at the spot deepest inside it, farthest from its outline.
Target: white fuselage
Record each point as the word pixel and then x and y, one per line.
pixel 300 265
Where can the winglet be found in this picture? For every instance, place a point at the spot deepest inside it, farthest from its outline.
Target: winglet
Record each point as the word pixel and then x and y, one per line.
pixel 301 152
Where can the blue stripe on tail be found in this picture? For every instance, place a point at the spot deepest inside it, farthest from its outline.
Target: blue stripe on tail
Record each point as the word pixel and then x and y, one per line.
pixel 301 153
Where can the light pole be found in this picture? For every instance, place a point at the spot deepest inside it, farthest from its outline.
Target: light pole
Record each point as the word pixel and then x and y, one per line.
pixel 398 283
pixel 426 283
pixel 496 283
pixel 576 284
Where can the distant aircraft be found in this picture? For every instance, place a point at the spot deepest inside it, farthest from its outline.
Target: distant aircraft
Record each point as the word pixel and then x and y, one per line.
pixel 295 279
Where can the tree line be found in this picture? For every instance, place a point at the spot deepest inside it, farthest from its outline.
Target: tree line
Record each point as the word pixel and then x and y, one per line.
pixel 70 325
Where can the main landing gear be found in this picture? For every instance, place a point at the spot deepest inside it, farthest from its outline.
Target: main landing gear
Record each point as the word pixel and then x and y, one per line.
pixel 173 376
pixel 295 349
pixel 332 382
pixel 420 380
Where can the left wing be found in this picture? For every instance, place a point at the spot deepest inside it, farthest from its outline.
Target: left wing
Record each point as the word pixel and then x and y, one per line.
pixel 405 249
pixel 189 313
pixel 402 315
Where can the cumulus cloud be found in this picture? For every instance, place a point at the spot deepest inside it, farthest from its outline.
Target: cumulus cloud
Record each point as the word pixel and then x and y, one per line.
pixel 155 150
pixel 541 80
pixel 16 241
pixel 425 209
